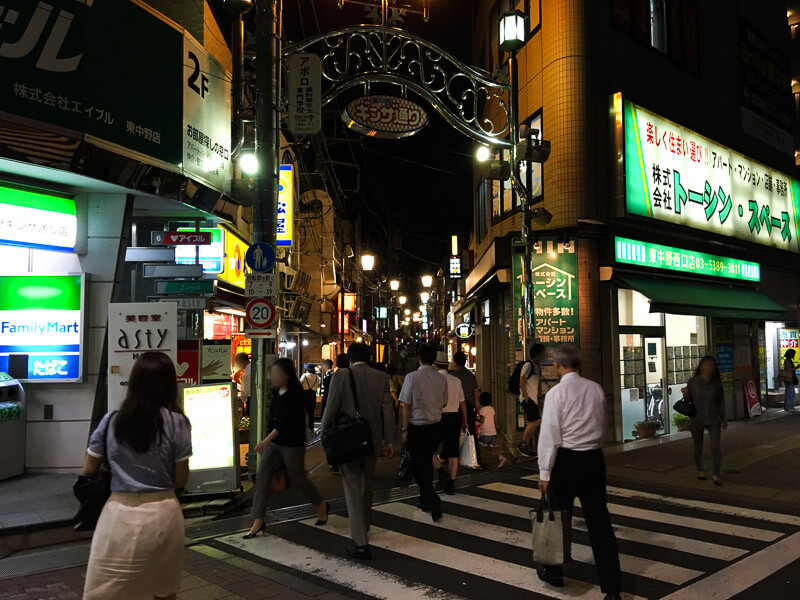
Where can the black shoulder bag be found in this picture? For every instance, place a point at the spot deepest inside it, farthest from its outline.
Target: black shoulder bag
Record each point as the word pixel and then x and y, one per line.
pixel 348 438
pixel 92 492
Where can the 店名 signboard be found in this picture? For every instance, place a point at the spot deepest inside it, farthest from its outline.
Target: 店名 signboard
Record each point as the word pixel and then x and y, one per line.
pixel 554 269
pixel 34 220
pixel 212 256
pixel 42 316
pixel 656 256
pixel 284 222
pixel 674 174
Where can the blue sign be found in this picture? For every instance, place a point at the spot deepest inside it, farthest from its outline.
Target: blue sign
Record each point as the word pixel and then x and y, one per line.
pixel 260 257
pixel 44 367
pixel 725 361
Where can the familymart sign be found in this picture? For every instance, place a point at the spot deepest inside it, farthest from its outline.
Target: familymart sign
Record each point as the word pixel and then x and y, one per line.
pixel 674 174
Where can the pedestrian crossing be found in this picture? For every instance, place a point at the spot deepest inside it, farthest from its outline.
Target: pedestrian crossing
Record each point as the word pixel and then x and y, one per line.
pixel 670 548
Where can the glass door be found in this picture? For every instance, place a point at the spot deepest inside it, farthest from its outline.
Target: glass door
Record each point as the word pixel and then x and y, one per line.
pixel 642 375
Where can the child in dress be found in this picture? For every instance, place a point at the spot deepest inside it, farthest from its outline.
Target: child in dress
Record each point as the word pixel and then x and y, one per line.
pixel 488 431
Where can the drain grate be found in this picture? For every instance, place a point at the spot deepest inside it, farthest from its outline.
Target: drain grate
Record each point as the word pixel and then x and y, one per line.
pixel 41 562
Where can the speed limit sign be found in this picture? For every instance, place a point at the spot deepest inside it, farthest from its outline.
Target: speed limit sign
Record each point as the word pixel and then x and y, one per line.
pixel 260 313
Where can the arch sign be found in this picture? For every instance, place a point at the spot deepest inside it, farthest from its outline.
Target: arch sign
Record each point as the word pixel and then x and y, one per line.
pixel 260 313
pixel 386 117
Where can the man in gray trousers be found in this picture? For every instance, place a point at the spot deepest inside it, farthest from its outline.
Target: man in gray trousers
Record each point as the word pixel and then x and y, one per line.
pixel 377 407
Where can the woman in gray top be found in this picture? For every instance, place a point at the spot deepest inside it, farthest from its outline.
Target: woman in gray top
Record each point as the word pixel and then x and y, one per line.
pixel 704 390
pixel 137 548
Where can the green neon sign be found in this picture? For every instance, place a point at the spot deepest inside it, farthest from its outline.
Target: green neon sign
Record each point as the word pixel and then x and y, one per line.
pixel 656 256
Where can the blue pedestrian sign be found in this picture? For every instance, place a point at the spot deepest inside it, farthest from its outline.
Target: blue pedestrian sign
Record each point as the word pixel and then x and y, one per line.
pixel 260 257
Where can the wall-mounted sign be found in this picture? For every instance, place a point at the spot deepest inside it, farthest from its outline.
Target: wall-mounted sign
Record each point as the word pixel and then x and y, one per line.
pixel 205 286
pixel 42 316
pixel 655 256
pixel 212 256
pixel 284 220
pixel 674 174
pixel 384 116
pixel 554 267
pixel 464 330
pixel 349 302
pixel 216 361
pixel 133 329
pixel 305 93
pixel 518 286
pixel 177 238
pixel 35 220
pixel 188 366
pixel 789 339
pixel 381 312
pixel 455 267
pixel 233 263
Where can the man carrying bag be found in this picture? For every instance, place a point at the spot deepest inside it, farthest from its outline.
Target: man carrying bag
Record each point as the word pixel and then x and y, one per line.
pixel 571 465
pixel 363 391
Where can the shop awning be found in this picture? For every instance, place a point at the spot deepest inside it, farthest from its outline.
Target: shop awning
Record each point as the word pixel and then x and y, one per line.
pixel 467 308
pixel 682 297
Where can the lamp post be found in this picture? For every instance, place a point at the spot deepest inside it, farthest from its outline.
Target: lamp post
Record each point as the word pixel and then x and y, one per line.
pixel 367 262
pixel 394 285
pixel 427 281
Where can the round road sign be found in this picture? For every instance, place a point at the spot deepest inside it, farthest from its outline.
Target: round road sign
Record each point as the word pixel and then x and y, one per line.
pixel 260 313
pixel 260 257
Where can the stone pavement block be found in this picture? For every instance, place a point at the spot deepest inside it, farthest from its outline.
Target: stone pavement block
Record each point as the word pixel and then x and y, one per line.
pixel 191 582
pixel 211 552
pixel 207 592
pixel 331 596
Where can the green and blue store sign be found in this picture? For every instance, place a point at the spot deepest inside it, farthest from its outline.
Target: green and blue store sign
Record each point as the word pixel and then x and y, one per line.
pixel 35 220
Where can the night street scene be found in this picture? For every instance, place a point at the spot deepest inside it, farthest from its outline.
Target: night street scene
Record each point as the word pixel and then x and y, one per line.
pixel 399 299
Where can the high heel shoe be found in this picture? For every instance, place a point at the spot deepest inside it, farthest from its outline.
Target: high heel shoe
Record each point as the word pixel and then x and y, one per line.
pixel 262 529
pixel 320 522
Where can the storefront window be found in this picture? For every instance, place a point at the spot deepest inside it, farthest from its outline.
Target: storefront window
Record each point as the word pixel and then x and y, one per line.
pixel 634 309
pixel 687 343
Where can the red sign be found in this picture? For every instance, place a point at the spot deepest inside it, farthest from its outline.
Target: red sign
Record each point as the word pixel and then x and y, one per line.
pixel 188 366
pixel 185 238
pixel 384 116
pixel 240 343
pixel 260 313
pixel 349 302
pixel 751 396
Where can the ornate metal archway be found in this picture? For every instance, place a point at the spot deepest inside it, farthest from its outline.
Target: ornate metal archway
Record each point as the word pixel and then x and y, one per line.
pixel 362 55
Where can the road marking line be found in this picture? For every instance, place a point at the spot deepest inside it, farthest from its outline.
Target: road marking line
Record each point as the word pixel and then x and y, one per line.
pixel 481 566
pixel 361 578
pixel 750 533
pixel 642 536
pixel 732 511
pixel 642 567
pixel 738 577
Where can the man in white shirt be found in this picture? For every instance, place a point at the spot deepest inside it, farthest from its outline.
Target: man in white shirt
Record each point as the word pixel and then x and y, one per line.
pixel 454 421
pixel 423 396
pixel 571 464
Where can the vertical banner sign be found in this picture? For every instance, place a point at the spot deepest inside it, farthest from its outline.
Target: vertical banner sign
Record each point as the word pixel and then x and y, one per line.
pixel 674 174
pixel 518 282
pixel 554 267
pixel 188 366
pixel 206 118
pixel 133 329
pixel 285 218
pixel 304 93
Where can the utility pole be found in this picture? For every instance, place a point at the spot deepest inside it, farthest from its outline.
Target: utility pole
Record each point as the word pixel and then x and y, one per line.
pixel 268 52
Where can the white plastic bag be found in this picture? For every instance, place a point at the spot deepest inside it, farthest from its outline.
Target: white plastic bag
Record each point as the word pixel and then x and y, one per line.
pixel 468 454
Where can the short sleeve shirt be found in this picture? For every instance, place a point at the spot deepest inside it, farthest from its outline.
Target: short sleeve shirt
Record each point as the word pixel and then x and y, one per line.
pixel 426 391
pixel 534 373
pixel 468 382
pixel 148 472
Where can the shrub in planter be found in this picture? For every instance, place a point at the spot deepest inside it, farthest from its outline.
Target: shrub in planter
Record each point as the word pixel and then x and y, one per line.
pixel 682 422
pixel 647 428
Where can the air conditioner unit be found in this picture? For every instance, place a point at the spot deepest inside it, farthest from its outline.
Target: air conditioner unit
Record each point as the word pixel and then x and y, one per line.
pixel 301 310
pixel 288 304
pixel 302 282
pixel 287 277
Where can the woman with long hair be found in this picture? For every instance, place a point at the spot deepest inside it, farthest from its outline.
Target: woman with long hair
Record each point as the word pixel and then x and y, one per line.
pixel 704 390
pixel 790 380
pixel 137 548
pixel 285 445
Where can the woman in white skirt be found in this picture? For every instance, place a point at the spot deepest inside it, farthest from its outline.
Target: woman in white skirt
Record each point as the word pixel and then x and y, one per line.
pixel 137 549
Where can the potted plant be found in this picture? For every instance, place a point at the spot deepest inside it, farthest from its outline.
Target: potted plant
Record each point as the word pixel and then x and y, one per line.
pixel 244 430
pixel 682 422
pixel 647 428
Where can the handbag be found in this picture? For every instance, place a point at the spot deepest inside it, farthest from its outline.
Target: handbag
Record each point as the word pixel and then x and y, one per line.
pixel 404 473
pixel 685 407
pixel 278 482
pixel 552 533
pixel 348 438
pixel 468 453
pixel 92 492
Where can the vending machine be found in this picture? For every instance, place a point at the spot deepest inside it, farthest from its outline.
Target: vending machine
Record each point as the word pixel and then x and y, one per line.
pixel 12 426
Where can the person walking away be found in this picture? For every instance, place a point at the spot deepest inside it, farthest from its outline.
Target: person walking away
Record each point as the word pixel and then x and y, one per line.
pixel 488 437
pixel 138 546
pixel 285 445
pixel 531 390
pixel 469 383
pixel 310 382
pixel 704 390
pixel 376 406
pixel 324 388
pixel 242 378
pixel 789 381
pixel 571 464
pixel 423 397
pixel 454 421
pixel 395 383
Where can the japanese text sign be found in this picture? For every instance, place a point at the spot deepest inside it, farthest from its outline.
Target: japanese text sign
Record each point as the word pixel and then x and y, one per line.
pixel 234 267
pixel 385 116
pixel 284 220
pixel 176 238
pixel 645 254
pixel 674 174
pixel 304 93
pixel 554 270
pixel 455 267
pixel 212 256
pixel 35 220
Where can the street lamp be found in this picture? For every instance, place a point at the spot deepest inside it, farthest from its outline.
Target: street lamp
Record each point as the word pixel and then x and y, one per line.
pixel 512 31
pixel 248 163
pixel 367 262
pixel 401 300
pixel 407 312
pixel 425 296
pixel 394 285
pixel 483 153
pixel 427 281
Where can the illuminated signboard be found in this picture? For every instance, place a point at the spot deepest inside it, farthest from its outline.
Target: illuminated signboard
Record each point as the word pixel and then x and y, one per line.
pixel 455 267
pixel 35 220
pixel 212 256
pixel 554 269
pixel 285 218
pixel 42 316
pixel 349 302
pixel 235 249
pixel 381 312
pixel 644 254
pixel 209 409
pixel 674 174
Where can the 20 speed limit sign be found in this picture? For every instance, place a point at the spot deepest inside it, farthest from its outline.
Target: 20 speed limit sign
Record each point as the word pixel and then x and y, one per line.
pixel 260 313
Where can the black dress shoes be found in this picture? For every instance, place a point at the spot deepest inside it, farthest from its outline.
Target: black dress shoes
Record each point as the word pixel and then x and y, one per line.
pixel 359 552
pixel 550 575
pixel 436 511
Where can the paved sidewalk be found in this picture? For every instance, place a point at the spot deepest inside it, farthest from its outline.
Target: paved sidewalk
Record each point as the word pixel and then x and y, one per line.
pixel 209 574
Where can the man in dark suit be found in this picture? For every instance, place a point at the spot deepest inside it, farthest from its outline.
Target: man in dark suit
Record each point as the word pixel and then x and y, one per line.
pixel 377 407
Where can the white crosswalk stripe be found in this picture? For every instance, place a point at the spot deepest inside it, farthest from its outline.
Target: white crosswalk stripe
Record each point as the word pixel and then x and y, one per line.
pixel 470 539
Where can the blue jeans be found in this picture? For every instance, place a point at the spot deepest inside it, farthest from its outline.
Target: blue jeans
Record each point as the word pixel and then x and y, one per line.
pixel 791 394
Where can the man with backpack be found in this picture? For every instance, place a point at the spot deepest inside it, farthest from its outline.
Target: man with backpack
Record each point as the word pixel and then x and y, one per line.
pixel 527 381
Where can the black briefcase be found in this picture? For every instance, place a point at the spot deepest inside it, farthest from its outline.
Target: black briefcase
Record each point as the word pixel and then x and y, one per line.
pixel 348 438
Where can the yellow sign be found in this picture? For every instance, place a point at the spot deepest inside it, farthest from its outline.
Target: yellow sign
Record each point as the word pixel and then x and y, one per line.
pixel 285 217
pixel 233 263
